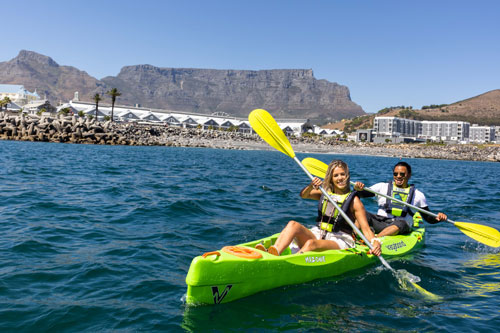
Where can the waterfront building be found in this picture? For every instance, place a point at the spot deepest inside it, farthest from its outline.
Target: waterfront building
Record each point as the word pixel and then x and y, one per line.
pixel 394 129
pixel 481 134
pixel 447 131
pixel 185 119
pixel 18 94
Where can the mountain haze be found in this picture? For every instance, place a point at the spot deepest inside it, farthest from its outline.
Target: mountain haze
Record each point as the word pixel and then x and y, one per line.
pixel 293 93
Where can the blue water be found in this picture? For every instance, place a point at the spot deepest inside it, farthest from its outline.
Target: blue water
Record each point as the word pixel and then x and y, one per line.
pixel 98 238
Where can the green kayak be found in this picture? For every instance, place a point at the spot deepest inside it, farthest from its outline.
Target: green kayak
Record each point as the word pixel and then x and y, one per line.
pixel 239 271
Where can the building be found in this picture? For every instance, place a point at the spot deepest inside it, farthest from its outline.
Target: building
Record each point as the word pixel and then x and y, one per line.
pixel 18 94
pixel 395 130
pixel 364 135
pixel 482 134
pixel 447 131
pixel 396 127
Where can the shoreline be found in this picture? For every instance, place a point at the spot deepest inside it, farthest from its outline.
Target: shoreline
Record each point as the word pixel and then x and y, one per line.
pixel 72 129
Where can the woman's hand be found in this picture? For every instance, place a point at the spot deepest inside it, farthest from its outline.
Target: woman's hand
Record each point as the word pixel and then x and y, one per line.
pixel 316 183
pixel 376 249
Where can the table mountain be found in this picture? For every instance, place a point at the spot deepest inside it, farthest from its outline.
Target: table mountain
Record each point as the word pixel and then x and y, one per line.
pixel 293 93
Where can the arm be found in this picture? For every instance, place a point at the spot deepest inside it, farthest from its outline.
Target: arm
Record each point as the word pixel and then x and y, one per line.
pixel 359 212
pixel 431 219
pixel 359 186
pixel 312 191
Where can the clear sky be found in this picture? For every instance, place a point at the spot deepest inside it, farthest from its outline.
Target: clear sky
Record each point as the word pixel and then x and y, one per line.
pixel 387 53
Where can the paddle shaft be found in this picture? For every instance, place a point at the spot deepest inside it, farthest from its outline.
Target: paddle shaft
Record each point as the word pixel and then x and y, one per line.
pixel 403 203
pixel 344 215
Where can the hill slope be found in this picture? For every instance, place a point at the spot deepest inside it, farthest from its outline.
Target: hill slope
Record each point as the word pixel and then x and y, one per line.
pixel 483 109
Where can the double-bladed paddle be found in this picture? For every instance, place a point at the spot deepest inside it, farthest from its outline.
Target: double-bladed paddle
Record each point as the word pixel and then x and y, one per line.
pixel 267 128
pixel 481 233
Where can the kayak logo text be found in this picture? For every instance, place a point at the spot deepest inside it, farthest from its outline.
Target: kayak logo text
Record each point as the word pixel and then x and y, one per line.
pixel 396 246
pixel 315 259
pixel 219 297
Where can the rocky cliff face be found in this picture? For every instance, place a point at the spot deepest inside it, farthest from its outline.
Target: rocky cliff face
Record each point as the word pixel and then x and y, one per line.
pixel 286 93
pixel 57 83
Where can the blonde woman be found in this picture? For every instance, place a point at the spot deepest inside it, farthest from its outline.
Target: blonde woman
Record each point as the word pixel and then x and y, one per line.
pixel 332 231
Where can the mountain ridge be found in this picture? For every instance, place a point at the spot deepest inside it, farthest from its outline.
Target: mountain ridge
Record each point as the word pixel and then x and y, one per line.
pixel 286 92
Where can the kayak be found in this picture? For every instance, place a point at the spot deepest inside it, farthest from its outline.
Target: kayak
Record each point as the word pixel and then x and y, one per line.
pixel 238 271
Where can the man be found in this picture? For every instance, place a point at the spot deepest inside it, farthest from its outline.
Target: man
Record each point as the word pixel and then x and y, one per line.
pixel 392 217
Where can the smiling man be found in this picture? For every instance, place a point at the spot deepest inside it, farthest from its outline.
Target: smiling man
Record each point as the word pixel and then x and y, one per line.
pixel 394 218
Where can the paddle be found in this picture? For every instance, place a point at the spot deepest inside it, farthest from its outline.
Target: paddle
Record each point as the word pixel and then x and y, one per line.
pixel 267 128
pixel 481 233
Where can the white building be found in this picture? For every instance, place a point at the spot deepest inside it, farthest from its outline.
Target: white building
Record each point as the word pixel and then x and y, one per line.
pixel 482 134
pixel 18 94
pixel 390 127
pixel 448 131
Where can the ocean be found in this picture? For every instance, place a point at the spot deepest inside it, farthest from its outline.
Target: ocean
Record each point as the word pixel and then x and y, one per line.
pixel 100 238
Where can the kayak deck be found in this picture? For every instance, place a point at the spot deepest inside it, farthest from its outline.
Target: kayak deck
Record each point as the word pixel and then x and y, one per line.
pixel 223 276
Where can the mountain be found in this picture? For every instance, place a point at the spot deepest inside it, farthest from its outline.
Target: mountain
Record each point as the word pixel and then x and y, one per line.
pixel 55 82
pixel 483 109
pixel 293 93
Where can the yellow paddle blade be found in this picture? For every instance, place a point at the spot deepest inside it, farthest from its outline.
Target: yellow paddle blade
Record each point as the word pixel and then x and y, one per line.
pixel 483 234
pixel 426 294
pixel 315 167
pixel 267 128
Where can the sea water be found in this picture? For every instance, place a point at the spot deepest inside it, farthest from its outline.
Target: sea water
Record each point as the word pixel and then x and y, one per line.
pixel 100 238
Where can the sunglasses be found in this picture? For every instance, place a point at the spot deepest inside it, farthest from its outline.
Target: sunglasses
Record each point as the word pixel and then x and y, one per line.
pixel 402 174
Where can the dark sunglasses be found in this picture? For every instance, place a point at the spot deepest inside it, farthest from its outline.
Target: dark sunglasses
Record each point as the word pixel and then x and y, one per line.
pixel 402 174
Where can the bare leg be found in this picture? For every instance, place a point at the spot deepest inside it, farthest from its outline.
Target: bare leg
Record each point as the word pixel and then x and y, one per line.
pixel 319 244
pixel 390 230
pixel 291 231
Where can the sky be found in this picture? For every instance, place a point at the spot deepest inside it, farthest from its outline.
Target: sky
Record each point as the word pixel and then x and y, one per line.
pixel 388 53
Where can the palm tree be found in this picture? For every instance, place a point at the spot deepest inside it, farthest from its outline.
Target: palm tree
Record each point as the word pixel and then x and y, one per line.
pixel 97 98
pixel 113 93
pixel 5 101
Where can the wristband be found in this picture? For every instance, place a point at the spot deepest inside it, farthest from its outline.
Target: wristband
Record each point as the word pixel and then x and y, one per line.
pixel 375 239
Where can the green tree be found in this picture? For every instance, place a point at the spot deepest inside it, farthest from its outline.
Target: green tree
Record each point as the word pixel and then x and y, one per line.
pixel 113 93
pixel 64 111
pixel 97 98
pixel 81 114
pixel 4 102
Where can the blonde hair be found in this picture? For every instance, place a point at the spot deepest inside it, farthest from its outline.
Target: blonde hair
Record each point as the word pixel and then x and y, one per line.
pixel 327 182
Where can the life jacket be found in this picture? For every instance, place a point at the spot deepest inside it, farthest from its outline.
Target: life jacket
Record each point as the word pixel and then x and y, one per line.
pixel 403 194
pixel 329 219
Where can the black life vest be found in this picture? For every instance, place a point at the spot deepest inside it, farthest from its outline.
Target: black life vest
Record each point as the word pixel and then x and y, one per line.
pixel 329 219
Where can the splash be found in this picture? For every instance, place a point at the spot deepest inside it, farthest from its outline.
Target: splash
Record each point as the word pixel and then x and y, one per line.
pixel 408 281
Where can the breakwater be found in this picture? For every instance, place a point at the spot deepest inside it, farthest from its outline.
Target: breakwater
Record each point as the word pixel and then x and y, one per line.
pixel 73 129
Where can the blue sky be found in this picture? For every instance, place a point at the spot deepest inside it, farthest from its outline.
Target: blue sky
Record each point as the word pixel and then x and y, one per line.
pixel 387 53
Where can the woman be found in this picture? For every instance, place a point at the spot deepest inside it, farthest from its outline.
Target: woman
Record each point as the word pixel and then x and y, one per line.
pixel 332 232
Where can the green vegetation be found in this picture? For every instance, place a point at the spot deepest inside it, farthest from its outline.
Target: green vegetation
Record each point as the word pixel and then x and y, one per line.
pixel 391 108
pixel 65 111
pixel 114 93
pixel 309 135
pixel 81 114
pixel 4 102
pixel 362 122
pixel 97 98
pixel 106 118
pixel 433 106
pixel 408 113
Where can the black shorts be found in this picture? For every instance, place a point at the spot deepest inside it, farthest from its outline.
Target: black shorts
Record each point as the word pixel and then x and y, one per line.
pixel 379 223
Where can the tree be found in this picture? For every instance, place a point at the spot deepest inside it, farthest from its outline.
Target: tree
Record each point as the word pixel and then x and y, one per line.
pixel 97 98
pixel 113 93
pixel 4 102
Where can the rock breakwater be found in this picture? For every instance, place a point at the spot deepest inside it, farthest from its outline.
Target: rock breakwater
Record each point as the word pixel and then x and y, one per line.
pixel 73 129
